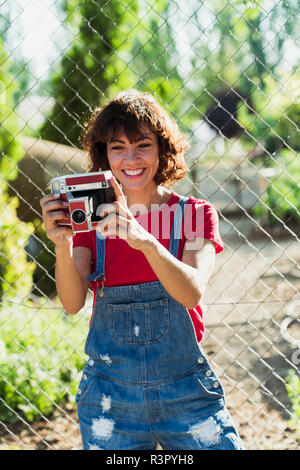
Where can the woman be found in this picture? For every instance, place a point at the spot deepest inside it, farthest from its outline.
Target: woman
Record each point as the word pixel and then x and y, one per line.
pixel 146 379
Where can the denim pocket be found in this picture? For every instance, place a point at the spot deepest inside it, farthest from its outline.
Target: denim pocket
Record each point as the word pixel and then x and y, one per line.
pixel 141 322
pixel 85 384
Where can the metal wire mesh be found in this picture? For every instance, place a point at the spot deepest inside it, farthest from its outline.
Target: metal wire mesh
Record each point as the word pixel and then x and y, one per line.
pixel 228 72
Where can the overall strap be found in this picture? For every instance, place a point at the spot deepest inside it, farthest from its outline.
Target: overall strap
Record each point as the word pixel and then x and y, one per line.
pixel 99 275
pixel 177 226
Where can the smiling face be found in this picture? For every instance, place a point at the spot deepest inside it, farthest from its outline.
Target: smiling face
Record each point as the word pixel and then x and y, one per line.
pixel 134 164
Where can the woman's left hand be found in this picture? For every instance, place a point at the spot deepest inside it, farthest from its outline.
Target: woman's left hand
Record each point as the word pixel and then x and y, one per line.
pixel 119 221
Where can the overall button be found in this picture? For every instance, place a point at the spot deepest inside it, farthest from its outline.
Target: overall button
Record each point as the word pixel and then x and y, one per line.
pixel 216 384
pixel 208 373
pixel 200 360
pixel 79 391
pixel 85 377
pixel 91 362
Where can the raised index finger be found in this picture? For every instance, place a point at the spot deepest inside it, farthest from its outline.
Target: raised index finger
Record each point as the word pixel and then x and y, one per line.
pixel 118 192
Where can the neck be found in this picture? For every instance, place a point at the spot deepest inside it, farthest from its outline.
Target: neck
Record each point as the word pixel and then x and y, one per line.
pixel 157 195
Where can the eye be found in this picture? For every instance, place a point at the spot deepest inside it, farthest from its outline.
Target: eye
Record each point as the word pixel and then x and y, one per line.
pixel 144 145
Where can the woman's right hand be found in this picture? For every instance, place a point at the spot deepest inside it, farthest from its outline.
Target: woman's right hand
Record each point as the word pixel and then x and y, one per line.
pixel 54 210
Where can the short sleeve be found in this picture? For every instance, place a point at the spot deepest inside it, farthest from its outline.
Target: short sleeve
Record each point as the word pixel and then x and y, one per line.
pixel 201 220
pixel 83 239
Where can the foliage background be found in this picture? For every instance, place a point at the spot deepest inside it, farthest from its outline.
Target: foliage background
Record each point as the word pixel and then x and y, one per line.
pixel 228 72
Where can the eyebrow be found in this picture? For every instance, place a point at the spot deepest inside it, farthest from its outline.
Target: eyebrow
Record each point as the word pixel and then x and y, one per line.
pixel 142 137
pixel 116 140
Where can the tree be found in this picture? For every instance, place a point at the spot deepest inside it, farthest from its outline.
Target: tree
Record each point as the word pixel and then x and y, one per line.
pixel 15 271
pixel 92 68
pixel 234 54
pixel 155 57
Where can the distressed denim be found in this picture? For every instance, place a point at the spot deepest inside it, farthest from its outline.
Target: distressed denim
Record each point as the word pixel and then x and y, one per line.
pixel 147 379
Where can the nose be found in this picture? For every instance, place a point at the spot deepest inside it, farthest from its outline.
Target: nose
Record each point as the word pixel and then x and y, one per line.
pixel 131 155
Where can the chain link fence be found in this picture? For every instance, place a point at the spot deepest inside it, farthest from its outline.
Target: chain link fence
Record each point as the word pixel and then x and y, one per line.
pixel 228 72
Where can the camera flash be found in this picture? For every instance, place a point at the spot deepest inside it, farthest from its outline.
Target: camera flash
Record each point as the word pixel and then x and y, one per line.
pixel 55 187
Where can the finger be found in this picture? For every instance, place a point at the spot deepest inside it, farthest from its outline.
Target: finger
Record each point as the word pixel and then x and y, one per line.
pixel 115 231
pixel 56 218
pixel 51 217
pixel 53 205
pixel 45 198
pixel 114 207
pixel 118 191
pixel 105 209
pixel 112 220
pixel 59 231
pixel 58 215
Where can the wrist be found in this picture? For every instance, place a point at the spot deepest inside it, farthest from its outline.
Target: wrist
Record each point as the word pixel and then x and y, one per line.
pixel 150 246
pixel 65 249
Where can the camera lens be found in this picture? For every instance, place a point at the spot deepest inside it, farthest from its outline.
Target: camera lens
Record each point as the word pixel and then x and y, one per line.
pixel 78 216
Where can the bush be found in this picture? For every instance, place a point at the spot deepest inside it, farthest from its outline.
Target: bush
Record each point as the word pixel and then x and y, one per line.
pixel 41 249
pixel 274 125
pixel 41 353
pixel 276 119
pixel 15 272
pixel 282 196
pixel 293 390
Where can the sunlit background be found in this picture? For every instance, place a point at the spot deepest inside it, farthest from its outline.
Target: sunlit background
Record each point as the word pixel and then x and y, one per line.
pixel 228 72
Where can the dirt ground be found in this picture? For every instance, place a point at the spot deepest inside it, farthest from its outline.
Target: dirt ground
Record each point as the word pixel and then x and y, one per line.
pixel 252 285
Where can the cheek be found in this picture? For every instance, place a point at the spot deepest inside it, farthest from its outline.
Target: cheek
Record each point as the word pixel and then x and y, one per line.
pixel 157 163
pixel 154 160
pixel 112 160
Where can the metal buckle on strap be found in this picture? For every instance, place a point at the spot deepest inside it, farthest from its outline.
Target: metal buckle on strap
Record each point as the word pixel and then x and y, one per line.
pixel 102 278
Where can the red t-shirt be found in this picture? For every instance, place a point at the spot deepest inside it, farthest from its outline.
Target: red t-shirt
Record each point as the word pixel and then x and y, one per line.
pixel 125 265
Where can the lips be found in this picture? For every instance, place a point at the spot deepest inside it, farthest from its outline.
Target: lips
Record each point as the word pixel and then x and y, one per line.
pixel 130 173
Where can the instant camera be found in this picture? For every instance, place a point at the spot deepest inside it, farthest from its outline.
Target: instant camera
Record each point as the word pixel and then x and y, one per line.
pixel 85 193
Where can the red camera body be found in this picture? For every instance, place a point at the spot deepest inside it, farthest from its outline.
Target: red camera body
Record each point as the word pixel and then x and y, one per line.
pixel 85 193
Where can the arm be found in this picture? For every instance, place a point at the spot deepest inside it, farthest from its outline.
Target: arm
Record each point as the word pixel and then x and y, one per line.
pixel 72 266
pixel 71 271
pixel 184 280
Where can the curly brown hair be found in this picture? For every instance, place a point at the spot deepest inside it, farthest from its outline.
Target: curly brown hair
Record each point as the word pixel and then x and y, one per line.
pixel 130 111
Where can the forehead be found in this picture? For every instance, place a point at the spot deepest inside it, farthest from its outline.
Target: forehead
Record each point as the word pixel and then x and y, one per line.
pixel 139 134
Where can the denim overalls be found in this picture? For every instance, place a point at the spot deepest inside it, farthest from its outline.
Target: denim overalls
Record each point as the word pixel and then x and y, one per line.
pixel 147 379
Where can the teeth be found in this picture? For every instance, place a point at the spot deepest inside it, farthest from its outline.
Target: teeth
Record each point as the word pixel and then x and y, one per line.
pixel 133 172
